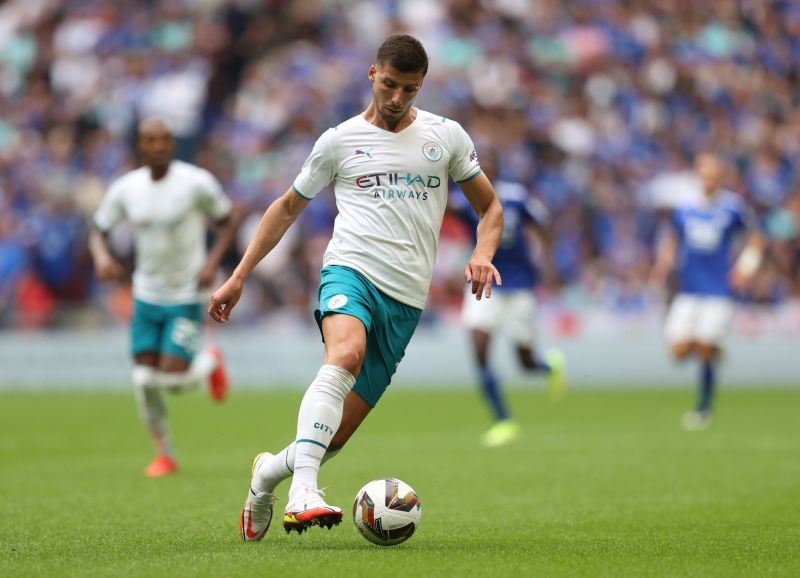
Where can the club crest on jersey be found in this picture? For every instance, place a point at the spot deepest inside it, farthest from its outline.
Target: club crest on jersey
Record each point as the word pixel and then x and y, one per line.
pixel 337 301
pixel 432 151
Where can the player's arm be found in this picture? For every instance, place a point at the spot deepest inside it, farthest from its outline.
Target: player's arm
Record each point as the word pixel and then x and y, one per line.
pixel 226 229
pixel 479 270
pixel 666 254
pixel 539 227
pixel 749 260
pixel 106 267
pixel 277 219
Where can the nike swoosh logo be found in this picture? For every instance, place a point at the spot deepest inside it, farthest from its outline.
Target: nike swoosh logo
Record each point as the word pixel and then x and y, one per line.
pixel 248 529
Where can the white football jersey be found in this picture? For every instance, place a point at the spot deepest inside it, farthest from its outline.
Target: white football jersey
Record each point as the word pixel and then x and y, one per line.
pixel 391 193
pixel 170 218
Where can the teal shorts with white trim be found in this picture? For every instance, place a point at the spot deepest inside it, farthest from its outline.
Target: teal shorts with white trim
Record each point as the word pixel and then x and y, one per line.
pixel 389 324
pixel 166 329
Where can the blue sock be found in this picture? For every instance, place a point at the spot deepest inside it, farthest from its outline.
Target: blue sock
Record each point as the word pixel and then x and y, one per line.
pixel 707 382
pixel 491 389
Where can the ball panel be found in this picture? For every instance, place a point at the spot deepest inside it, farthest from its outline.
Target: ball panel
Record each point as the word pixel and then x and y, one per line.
pixel 386 511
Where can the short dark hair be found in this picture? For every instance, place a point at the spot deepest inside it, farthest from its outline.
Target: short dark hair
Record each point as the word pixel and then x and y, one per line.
pixel 403 52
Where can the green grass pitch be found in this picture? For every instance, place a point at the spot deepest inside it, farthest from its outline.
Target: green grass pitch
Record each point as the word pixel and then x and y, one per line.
pixel 604 484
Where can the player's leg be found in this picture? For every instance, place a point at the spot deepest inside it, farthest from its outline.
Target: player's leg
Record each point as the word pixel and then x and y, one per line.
pixel 344 318
pixel 321 410
pixel 274 469
pixel 153 412
pixel 147 326
pixel 270 470
pixel 680 325
pixel 184 365
pixel 713 323
pixel 482 318
pixel 520 322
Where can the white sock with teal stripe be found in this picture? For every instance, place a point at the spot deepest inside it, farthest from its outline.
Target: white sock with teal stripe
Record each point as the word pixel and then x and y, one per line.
pixel 279 467
pixel 152 408
pixel 317 421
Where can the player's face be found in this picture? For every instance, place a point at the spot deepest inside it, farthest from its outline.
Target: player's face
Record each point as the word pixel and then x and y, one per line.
pixel 156 145
pixel 709 171
pixel 393 91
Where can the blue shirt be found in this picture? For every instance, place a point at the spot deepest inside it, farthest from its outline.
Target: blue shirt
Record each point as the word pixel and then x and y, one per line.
pixel 513 258
pixel 705 241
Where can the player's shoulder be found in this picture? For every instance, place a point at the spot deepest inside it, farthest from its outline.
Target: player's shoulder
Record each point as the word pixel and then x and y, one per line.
pixel 186 170
pixel 439 123
pixel 128 180
pixel 730 200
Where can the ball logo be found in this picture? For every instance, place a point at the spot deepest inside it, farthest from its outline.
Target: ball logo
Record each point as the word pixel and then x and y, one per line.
pixel 337 301
pixel 432 151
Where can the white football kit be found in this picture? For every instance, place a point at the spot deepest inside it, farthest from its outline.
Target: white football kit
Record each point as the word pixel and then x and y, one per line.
pixel 391 193
pixel 169 216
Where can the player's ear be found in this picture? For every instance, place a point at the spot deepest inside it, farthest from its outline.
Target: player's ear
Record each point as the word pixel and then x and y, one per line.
pixel 371 73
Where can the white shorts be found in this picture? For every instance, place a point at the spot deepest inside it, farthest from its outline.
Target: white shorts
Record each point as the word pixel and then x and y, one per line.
pixel 705 319
pixel 512 311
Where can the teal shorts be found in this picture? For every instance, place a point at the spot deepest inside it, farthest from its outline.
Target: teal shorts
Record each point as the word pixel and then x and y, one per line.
pixel 166 329
pixel 389 324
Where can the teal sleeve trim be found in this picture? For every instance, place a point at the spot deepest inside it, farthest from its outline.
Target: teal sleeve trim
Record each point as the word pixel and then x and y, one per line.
pixel 299 194
pixel 469 178
pixel 315 442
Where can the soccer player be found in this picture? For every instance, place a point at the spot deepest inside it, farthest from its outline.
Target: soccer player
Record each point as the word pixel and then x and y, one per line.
pixel 169 203
pixel 389 167
pixel 512 307
pixel 700 245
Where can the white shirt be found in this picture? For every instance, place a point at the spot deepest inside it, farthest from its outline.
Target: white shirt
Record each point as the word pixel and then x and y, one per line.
pixel 391 193
pixel 169 217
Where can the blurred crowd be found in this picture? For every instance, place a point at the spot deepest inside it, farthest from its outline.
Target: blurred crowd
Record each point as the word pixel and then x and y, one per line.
pixel 597 106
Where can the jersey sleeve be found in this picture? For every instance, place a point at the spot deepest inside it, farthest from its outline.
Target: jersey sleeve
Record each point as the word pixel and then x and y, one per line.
pixel 464 164
pixel 318 170
pixel 111 211
pixel 212 199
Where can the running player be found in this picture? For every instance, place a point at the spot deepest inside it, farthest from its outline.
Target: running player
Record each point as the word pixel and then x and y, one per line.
pixel 512 308
pixel 700 245
pixel 389 167
pixel 169 203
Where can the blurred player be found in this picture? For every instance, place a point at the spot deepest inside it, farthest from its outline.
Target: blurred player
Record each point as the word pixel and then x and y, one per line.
pixel 512 307
pixel 700 245
pixel 389 167
pixel 169 203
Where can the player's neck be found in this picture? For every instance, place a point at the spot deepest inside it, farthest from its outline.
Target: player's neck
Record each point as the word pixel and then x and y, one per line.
pixel 372 116
pixel 158 173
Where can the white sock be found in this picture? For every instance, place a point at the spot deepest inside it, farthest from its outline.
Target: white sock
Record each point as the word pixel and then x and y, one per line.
pixel 152 408
pixel 279 467
pixel 202 366
pixel 317 421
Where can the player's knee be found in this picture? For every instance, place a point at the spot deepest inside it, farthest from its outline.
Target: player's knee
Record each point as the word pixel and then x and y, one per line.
pixel 681 350
pixel 707 352
pixel 347 357
pixel 143 376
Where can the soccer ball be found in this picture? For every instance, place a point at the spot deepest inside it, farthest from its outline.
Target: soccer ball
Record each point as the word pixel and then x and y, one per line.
pixel 386 511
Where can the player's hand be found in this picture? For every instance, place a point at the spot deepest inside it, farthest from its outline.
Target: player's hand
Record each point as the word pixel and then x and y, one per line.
pixel 109 269
pixel 224 299
pixel 482 274
pixel 206 276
